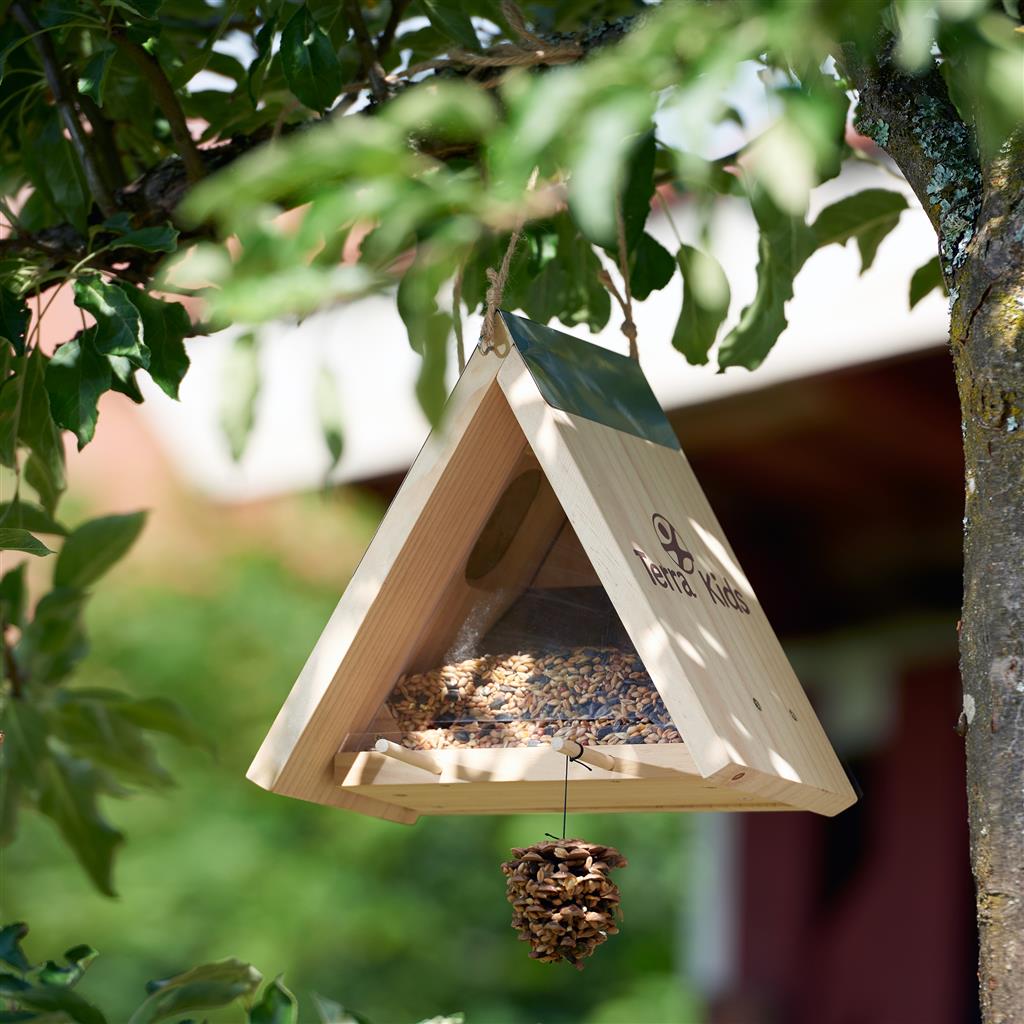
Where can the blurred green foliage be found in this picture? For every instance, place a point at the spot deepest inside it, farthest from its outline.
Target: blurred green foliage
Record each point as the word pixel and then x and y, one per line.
pixel 357 147
pixel 396 922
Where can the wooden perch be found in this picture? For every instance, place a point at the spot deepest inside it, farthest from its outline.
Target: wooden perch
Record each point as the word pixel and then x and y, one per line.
pixel 577 752
pixel 417 758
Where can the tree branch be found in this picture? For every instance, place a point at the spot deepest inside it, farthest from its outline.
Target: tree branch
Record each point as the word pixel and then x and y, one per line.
pixel 152 199
pixel 914 121
pixel 155 195
pixel 387 37
pixel 63 97
pixel 167 101
pixel 103 133
pixel 370 62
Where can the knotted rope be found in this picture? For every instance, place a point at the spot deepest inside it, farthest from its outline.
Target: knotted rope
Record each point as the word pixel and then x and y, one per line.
pixel 498 279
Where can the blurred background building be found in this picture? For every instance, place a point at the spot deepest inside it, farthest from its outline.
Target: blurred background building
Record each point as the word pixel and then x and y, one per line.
pixel 836 472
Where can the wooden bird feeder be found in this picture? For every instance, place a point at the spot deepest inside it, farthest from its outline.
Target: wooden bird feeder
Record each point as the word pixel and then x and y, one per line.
pixel 550 582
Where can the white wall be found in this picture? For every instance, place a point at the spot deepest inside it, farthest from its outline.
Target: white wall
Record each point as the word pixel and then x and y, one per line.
pixel 836 319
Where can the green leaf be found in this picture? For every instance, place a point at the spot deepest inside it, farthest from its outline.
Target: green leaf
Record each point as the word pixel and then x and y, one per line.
pixel 330 1012
pixel 264 42
pixel 433 336
pixel 11 952
pixel 12 539
pixel 145 9
pixel 18 1016
pixel 29 516
pixel 14 317
pixel 639 190
pixel 926 278
pixel 867 216
pixel 156 714
pixel 311 66
pixel 12 388
pixel 329 414
pixel 607 134
pixel 38 477
pixel 651 267
pixel 705 304
pixel 76 377
pixel 55 1000
pixel 55 171
pixel 92 728
pixel 36 428
pixel 92 548
pixel 428 329
pixel 53 642
pixel 12 595
pixel 118 325
pixel 22 756
pixel 93 80
pixel 78 959
pixel 124 378
pixel 276 1006
pixel 568 286
pixel 451 19
pixel 10 985
pixel 784 245
pixel 165 325
pixel 241 388
pixel 201 988
pixel 69 792
pixel 158 238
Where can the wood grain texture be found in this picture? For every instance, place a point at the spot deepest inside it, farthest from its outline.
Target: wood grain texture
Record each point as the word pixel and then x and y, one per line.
pixel 722 673
pixel 752 740
pixel 531 780
pixel 380 618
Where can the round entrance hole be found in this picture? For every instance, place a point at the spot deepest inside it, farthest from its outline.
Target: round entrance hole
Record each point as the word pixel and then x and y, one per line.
pixel 501 528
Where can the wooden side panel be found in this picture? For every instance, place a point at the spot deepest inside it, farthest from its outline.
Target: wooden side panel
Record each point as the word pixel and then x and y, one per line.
pixel 457 614
pixel 422 542
pixel 674 581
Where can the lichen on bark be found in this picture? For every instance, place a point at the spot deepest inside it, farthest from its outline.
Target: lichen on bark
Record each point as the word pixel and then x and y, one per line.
pixel 978 216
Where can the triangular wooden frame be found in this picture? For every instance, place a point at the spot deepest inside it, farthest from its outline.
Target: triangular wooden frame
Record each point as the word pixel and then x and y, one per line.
pixel 751 738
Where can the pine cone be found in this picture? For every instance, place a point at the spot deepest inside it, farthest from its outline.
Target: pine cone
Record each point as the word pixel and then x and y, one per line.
pixel 563 902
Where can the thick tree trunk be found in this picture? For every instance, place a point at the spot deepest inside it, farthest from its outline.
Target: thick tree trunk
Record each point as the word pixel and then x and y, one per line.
pixel 978 215
pixel 988 348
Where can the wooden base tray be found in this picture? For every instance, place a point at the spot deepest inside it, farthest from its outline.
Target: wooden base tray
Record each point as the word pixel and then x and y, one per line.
pixel 521 780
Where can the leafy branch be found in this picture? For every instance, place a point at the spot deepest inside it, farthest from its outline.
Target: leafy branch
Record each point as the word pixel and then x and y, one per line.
pixel 45 992
pixel 98 185
pixel 166 99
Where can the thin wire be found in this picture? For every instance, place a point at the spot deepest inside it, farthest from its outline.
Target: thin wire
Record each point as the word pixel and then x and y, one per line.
pixel 565 790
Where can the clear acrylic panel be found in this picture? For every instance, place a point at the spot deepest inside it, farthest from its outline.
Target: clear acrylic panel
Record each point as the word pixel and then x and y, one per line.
pixel 528 663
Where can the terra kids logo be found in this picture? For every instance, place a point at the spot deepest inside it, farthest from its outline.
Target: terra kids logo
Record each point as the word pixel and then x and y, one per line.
pixel 679 577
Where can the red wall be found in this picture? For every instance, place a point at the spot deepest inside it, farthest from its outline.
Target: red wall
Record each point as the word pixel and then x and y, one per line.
pixel 867 918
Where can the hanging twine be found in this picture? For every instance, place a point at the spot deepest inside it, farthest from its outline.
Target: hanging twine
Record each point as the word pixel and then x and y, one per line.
pixel 498 279
pixel 625 297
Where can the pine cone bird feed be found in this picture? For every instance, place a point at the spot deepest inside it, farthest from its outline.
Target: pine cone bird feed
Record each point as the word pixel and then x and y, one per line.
pixel 563 901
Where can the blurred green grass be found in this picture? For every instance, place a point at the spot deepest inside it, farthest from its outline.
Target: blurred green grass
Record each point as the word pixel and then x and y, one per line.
pixel 398 923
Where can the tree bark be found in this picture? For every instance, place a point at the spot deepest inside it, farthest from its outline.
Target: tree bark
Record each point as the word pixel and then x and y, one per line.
pixel 978 214
pixel 988 349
